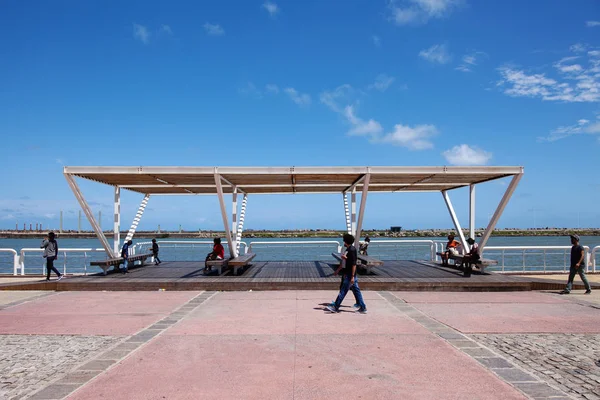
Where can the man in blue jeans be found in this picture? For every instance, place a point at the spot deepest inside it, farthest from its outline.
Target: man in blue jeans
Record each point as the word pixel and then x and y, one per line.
pixel 577 266
pixel 350 280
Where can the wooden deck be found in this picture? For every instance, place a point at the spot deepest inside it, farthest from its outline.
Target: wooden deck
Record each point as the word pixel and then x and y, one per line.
pixel 298 275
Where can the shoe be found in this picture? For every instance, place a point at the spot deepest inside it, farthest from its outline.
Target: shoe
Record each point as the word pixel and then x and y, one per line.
pixel 332 309
pixel 362 310
pixel 589 291
pixel 356 306
pixel 59 278
pixel 47 279
pixel 565 292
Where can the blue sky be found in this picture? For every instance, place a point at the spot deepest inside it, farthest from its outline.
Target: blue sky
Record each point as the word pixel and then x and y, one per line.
pixel 281 83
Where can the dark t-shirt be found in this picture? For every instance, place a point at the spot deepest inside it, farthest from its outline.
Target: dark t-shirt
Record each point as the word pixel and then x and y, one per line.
pixel 125 251
pixel 155 248
pixel 350 260
pixel 576 252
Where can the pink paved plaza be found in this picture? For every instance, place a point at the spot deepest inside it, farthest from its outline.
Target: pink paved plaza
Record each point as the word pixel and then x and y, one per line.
pixel 283 345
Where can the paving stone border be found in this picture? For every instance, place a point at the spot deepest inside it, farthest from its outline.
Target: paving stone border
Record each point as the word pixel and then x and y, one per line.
pixel 78 377
pixel 506 370
pixel 567 361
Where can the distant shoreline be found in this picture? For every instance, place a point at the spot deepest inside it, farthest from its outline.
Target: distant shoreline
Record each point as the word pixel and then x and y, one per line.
pixel 300 233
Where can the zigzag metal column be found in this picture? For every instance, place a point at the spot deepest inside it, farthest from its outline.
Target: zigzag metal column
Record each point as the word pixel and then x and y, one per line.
pixel 138 217
pixel 347 212
pixel 117 221
pixel 240 228
pixel 234 219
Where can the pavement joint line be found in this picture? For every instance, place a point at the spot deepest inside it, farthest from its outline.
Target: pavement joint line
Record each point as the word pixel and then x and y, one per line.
pixel 497 364
pixel 94 367
pixel 18 302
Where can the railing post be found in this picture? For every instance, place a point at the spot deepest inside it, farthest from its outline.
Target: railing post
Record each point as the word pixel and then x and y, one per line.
pixel 16 264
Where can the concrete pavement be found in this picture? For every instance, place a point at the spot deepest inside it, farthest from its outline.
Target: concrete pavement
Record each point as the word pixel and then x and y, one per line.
pixel 283 345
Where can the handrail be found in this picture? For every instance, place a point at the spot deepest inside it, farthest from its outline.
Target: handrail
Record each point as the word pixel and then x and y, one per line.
pixel 15 258
pixel 592 259
pixel 294 242
pixel 523 249
pixel 64 251
pixel 140 244
pixel 431 243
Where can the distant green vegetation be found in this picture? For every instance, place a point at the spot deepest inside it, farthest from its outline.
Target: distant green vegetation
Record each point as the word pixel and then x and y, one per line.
pixel 314 233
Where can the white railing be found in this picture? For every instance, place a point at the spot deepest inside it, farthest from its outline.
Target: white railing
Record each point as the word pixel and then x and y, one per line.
pixel 375 245
pixel 295 243
pixel 545 253
pixel 60 259
pixel 140 247
pixel 15 258
pixel 592 259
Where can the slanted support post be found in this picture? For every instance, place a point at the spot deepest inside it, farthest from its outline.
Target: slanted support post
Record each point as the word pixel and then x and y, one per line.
pixel 240 228
pixel 137 218
pixel 90 216
pixel 234 218
pixel 455 221
pixel 232 249
pixel 472 211
pixel 353 204
pixel 117 221
pixel 347 213
pixel 361 212
pixel 492 225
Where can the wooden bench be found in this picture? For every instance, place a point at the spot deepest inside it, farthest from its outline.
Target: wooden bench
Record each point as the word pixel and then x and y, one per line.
pixel 480 264
pixel 236 263
pixel 115 262
pixel 366 262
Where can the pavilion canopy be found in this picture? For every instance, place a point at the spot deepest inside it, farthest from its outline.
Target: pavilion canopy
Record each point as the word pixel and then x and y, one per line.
pixel 272 180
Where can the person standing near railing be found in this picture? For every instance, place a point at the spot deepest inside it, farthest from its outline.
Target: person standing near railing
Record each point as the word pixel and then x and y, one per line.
pixel 125 255
pixel 50 246
pixel 154 249
pixel 577 266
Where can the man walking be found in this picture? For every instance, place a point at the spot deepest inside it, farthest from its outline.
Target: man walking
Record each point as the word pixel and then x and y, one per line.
pixel 577 266
pixel 349 280
pixel 50 247
pixel 154 249
pixel 125 255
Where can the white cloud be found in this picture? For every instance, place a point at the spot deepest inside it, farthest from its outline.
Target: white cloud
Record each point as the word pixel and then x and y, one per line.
pixel 50 215
pixel 213 29
pixel 416 138
pixel 272 8
pixel 342 93
pixel 577 79
pixel 583 126
pixel 466 155
pixel 413 138
pixel 272 88
pixel 251 90
pixel 376 40
pixel 436 54
pixel 382 82
pixel 578 48
pixel 591 24
pixel 302 99
pixel 166 29
pixel 8 217
pixel 420 11
pixel 360 127
pixel 60 161
pixel 141 33
pixel 470 60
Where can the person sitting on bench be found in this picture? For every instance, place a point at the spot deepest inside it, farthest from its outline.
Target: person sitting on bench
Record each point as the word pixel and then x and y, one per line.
pixel 451 248
pixel 362 249
pixel 472 256
pixel 218 253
